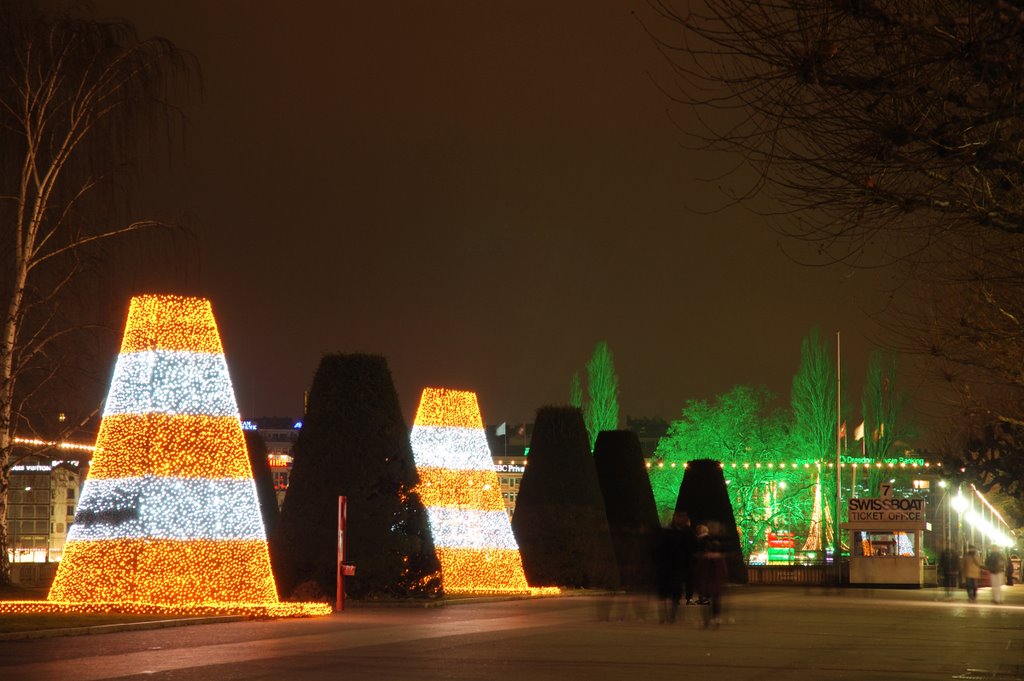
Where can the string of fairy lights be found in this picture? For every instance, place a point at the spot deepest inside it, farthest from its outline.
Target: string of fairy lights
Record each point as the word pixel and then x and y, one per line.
pixel 782 465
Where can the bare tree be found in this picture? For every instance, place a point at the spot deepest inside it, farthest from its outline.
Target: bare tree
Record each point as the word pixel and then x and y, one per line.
pixel 884 408
pixel 880 132
pixel 80 100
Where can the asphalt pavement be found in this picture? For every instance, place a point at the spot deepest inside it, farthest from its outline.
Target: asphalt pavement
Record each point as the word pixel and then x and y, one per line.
pixel 766 633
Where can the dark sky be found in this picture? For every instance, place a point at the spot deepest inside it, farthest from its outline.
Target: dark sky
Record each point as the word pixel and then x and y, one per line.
pixel 480 192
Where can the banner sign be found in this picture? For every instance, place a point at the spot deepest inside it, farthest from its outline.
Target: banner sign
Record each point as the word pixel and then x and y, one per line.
pixel 908 512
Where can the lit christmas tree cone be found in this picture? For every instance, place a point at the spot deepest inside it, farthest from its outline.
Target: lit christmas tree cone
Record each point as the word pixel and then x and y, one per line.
pixel 168 518
pixel 459 488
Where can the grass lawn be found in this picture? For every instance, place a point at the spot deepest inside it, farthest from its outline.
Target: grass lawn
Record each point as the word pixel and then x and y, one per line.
pixel 37 622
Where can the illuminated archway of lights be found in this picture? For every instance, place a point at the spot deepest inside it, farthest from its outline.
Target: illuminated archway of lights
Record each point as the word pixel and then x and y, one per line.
pixel 168 519
pixel 459 488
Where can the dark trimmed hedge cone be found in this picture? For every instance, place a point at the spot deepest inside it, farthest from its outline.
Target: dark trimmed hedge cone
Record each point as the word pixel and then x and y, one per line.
pixel 629 505
pixel 704 497
pixel 354 442
pixel 559 521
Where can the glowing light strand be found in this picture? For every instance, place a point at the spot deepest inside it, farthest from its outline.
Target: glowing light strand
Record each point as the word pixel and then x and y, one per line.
pixel 167 508
pixel 171 382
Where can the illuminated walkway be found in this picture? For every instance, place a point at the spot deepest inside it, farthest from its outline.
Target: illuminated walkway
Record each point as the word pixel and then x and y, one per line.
pixel 775 634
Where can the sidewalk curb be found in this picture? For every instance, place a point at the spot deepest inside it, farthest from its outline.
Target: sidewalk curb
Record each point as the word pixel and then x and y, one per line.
pixel 472 600
pixel 114 628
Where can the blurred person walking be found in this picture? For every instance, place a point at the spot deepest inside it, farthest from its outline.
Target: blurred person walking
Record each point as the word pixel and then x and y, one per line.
pixel 972 573
pixel 949 568
pixel 712 574
pixel 996 564
pixel 672 560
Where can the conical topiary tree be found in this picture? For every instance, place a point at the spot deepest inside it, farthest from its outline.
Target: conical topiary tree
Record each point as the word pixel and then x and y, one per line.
pixel 629 504
pixel 354 442
pixel 560 520
pixel 703 496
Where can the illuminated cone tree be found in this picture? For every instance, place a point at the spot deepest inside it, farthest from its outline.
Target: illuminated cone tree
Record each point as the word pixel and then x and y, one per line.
pixel 459 487
pixel 169 517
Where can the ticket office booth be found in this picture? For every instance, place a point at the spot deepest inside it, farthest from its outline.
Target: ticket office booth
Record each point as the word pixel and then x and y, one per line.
pixel 886 538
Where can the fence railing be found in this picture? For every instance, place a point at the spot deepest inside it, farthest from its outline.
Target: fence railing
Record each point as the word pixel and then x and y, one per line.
pixel 798 575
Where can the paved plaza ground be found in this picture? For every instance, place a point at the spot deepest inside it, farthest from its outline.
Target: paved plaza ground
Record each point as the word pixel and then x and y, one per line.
pixel 768 633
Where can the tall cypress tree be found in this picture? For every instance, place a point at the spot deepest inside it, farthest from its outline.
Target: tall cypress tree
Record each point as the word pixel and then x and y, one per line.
pixel 560 522
pixel 602 409
pixel 629 504
pixel 703 496
pixel 354 442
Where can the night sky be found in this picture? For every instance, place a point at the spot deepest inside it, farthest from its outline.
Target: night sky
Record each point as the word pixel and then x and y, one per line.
pixel 480 192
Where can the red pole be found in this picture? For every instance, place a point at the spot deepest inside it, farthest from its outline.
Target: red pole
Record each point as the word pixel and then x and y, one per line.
pixel 342 520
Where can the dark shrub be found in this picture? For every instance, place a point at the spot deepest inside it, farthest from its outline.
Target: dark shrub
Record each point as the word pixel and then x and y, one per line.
pixel 629 504
pixel 560 521
pixel 354 442
pixel 703 496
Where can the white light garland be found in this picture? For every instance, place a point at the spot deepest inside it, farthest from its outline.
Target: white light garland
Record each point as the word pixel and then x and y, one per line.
pixel 451 447
pixel 171 382
pixel 467 528
pixel 168 508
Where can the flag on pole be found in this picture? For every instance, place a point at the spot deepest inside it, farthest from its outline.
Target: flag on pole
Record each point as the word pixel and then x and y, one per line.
pixel 842 429
pixel 500 430
pixel 858 432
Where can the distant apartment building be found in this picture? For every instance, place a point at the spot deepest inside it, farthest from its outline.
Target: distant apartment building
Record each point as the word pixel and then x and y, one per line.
pixel 42 500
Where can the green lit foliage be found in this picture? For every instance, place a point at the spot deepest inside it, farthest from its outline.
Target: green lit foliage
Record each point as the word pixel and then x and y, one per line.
pixel 742 427
pixel 813 402
pixel 601 411
pixel 885 415
pixel 576 391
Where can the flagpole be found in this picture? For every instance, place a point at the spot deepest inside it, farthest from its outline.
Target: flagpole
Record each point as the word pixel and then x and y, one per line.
pixel 837 542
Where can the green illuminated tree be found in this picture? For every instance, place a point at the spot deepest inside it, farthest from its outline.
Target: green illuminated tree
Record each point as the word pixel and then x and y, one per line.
pixel 880 133
pixel 813 400
pixel 814 407
pixel 601 411
pixel 884 411
pixel 576 391
pixel 740 427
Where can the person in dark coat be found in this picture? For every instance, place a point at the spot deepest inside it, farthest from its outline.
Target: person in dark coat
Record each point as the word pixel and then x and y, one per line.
pixel 672 561
pixel 949 569
pixel 712 575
